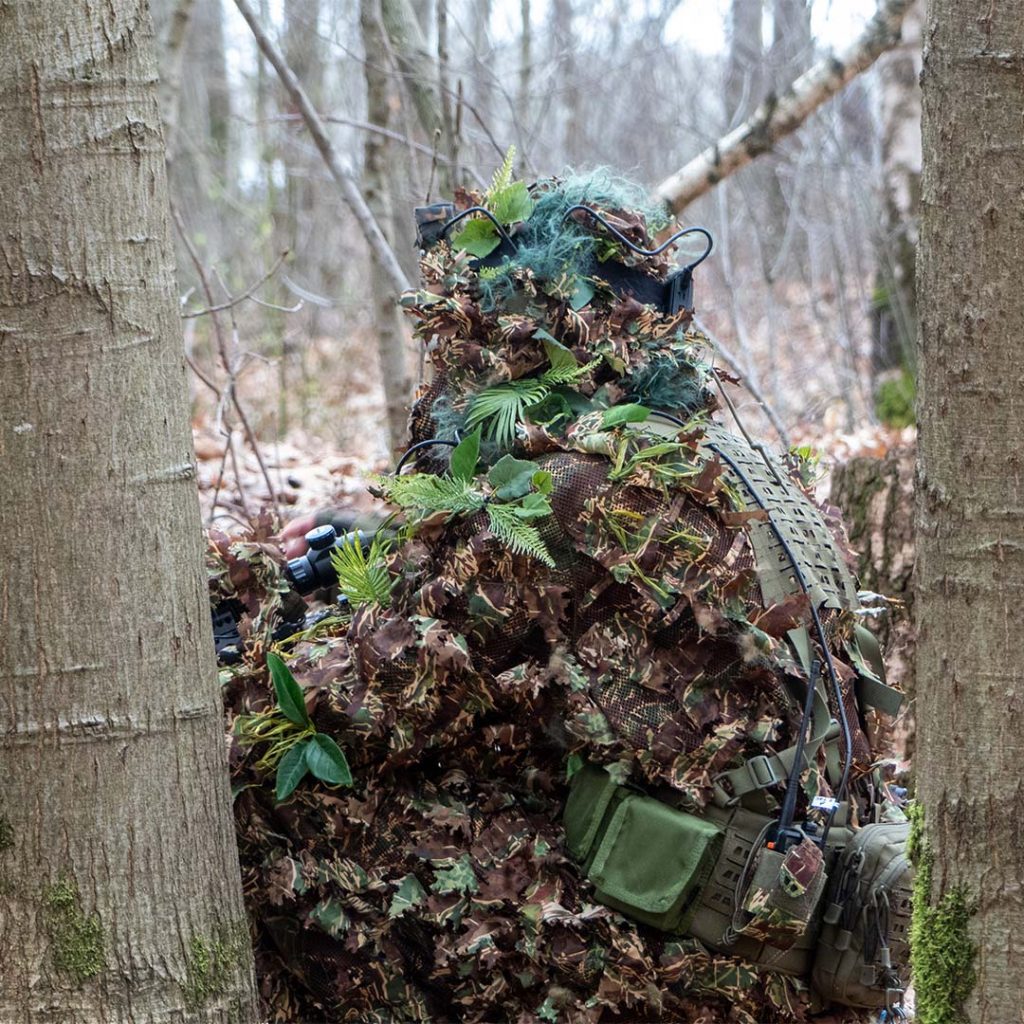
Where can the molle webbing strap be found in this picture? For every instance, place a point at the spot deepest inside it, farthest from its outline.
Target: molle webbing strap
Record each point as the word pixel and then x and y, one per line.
pixel 756 773
pixel 829 581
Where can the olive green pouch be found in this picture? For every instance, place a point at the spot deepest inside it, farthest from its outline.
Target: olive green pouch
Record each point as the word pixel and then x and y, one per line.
pixel 645 859
pixel 652 862
pixel 590 797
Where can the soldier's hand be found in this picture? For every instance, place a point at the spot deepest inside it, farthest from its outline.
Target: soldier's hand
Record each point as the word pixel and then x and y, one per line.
pixel 293 536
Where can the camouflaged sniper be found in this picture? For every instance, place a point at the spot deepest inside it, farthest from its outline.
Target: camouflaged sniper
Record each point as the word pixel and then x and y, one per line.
pixel 570 688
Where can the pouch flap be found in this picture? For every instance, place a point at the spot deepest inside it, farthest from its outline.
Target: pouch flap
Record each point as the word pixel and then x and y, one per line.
pixel 589 796
pixel 651 854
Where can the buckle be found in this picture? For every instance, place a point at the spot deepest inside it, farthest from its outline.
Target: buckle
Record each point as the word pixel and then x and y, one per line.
pixel 762 772
pixel 730 786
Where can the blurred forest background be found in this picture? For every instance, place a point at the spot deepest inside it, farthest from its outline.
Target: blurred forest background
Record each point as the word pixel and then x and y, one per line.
pixel 809 294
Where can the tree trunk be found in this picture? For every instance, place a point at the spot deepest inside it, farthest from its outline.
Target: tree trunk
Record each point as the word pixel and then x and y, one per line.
pixel 121 890
pixel 391 344
pixel 744 69
pixel 417 66
pixel 876 497
pixel 970 512
pixel 894 317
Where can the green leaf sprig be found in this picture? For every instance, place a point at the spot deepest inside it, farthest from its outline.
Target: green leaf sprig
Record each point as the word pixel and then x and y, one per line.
pixel 510 203
pixel 519 495
pixel 296 748
pixel 499 409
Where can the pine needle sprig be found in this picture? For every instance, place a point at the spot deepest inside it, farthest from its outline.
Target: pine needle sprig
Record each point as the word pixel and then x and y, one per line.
pixel 362 573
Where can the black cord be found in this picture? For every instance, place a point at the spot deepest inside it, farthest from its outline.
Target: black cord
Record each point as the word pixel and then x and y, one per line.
pixel 819 629
pixel 418 446
pixel 619 236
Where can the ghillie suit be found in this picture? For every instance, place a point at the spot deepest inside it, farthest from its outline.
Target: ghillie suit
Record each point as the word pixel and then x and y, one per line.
pixel 593 599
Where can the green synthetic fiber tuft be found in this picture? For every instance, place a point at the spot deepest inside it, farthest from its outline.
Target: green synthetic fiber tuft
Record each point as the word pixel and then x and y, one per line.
pixel 449 422
pixel 665 383
pixel 549 245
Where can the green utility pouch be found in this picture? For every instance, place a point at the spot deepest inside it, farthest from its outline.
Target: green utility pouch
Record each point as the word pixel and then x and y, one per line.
pixel 645 859
pixel 863 956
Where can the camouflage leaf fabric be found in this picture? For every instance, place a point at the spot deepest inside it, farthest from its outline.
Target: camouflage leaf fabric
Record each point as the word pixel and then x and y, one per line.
pixel 438 887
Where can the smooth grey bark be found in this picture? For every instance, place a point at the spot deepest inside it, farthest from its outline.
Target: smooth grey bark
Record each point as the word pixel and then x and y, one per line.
pixel 970 510
pixel 391 344
pixel 122 898
pixel 744 69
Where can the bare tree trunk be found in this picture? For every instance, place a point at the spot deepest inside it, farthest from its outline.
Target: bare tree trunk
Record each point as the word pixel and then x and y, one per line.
pixel 213 67
pixel 970 511
pixel 172 59
pixel 391 344
pixel 419 72
pixel 523 105
pixel 121 890
pixel 894 320
pixel 744 73
pixel 449 102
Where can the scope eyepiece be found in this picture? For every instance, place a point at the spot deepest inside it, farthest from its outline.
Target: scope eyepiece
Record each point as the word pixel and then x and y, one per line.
pixel 315 570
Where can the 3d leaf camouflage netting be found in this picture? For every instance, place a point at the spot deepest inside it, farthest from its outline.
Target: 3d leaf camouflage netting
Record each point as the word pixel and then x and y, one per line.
pixel 567 587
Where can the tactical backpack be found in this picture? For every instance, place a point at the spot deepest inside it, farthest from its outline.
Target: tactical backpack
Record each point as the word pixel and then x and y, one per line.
pixel 835 912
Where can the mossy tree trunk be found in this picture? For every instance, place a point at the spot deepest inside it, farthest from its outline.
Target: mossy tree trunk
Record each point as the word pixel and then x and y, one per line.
pixel 970 569
pixel 121 892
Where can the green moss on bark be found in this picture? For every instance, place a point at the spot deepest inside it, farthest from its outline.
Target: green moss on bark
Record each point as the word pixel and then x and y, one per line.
pixel 76 939
pixel 212 963
pixel 942 955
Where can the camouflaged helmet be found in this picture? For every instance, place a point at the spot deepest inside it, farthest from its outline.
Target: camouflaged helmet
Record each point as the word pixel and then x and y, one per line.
pixel 574 687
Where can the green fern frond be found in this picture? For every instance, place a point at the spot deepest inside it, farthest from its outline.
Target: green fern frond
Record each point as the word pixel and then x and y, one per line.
pixel 426 493
pixel 564 374
pixel 518 536
pixel 362 574
pixel 503 175
pixel 501 407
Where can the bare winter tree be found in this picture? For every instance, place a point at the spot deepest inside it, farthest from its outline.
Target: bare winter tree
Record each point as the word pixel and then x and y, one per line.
pixel 120 879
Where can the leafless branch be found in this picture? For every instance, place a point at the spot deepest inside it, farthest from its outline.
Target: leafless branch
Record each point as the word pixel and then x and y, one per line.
pixel 781 115
pixel 736 367
pixel 247 294
pixel 230 365
pixel 344 179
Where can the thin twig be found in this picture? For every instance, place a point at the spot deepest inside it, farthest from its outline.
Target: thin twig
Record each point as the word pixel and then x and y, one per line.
pixel 733 363
pixel 247 294
pixel 220 480
pixel 230 367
